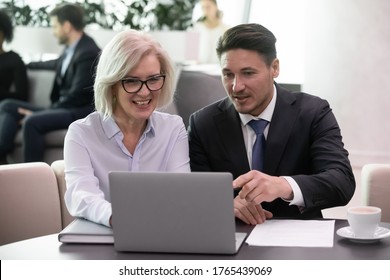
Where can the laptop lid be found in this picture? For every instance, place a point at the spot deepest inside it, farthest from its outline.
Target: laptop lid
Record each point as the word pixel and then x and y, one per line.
pixel 173 212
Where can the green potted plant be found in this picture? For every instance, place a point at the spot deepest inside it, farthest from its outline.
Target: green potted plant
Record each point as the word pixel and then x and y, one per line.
pixel 24 15
pixel 176 15
pixel 137 14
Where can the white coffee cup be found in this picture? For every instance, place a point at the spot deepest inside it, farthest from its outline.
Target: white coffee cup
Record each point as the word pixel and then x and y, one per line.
pixel 364 220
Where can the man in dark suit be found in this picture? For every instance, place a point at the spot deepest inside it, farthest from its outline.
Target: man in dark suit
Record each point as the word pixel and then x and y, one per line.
pixel 305 165
pixel 72 92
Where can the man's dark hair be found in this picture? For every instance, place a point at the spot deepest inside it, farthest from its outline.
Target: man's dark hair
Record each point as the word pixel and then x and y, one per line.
pixel 249 36
pixel 6 26
pixel 73 13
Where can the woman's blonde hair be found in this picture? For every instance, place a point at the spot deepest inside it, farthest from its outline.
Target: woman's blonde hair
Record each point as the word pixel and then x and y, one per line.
pixel 119 57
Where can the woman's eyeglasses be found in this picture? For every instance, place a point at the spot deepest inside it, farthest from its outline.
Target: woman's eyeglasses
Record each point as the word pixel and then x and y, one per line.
pixel 154 83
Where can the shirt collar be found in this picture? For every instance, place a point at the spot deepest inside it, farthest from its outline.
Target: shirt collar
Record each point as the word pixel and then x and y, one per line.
pixel 110 127
pixel 72 46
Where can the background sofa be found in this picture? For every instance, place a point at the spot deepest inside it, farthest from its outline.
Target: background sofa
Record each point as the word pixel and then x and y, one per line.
pixel 40 82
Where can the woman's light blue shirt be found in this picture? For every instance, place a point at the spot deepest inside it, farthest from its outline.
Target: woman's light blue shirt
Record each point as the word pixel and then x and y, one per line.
pixel 93 147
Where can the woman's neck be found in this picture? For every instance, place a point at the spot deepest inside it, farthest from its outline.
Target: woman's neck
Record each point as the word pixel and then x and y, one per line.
pixel 132 132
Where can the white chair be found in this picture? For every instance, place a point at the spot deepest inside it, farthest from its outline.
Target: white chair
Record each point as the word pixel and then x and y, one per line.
pixel 375 179
pixel 29 201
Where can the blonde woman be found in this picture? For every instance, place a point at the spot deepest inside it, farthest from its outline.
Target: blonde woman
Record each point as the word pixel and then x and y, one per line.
pixel 134 76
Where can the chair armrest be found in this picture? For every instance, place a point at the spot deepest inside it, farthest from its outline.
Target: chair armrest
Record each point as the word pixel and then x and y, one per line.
pixel 58 169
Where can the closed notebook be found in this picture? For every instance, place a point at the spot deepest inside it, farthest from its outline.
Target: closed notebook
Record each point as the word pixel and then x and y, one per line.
pixel 84 231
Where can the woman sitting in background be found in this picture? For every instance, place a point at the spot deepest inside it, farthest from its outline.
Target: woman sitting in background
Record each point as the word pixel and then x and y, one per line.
pixel 134 76
pixel 13 73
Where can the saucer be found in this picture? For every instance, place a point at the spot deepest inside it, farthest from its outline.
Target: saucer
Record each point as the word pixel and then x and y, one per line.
pixel 379 234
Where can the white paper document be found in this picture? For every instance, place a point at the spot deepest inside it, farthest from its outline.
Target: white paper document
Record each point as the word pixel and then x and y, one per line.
pixel 293 233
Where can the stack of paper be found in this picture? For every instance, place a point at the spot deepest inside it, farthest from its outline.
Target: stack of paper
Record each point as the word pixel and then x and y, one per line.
pixel 298 233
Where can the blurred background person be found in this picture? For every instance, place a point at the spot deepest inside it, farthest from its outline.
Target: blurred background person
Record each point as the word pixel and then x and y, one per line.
pixel 72 92
pixel 210 27
pixel 13 72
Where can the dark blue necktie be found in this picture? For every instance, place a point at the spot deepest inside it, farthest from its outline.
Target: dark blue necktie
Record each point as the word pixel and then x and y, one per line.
pixel 258 148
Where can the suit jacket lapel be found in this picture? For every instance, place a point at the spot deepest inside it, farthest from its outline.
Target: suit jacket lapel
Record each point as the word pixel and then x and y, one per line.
pixel 75 55
pixel 58 76
pixel 279 130
pixel 229 129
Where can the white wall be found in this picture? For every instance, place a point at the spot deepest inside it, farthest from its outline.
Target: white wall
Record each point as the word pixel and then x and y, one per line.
pixel 285 18
pixel 347 61
pixel 34 43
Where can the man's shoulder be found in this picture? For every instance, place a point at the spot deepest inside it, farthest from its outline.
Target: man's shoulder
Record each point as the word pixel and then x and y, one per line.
pixel 214 108
pixel 204 118
pixel 87 43
pixel 299 97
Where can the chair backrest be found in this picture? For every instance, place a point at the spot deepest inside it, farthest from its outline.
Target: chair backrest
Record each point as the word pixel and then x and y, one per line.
pixel 195 90
pixel 58 167
pixel 29 202
pixel 375 179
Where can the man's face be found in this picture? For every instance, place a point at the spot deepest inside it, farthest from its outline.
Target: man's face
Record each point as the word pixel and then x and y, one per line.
pixel 248 80
pixel 59 30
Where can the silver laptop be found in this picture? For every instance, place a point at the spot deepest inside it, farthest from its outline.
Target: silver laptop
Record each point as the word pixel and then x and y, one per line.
pixel 174 212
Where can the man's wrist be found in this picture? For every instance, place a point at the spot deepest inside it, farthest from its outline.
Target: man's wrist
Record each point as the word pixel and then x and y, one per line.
pixel 287 191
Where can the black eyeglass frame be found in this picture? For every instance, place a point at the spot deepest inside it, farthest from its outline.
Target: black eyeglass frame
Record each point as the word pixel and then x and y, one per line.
pixel 145 82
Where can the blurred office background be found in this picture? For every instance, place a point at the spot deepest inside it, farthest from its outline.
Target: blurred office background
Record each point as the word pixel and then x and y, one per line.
pixel 334 49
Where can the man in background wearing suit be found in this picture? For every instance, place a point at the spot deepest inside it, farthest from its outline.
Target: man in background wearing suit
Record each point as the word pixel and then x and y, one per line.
pixel 305 167
pixel 72 93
